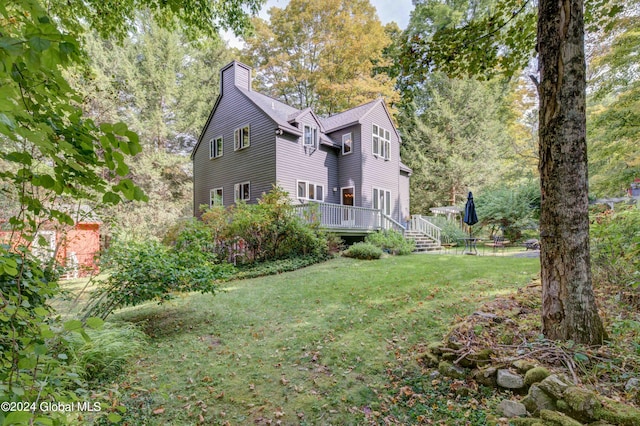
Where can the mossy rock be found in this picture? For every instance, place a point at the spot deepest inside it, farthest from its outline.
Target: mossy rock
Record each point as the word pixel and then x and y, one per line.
pixel 524 365
pixel 538 400
pixel 581 403
pixel 428 359
pixel 536 375
pixel 555 385
pixel 617 413
pixel 435 348
pixel 449 370
pixel 525 421
pixel 486 376
pixel 556 418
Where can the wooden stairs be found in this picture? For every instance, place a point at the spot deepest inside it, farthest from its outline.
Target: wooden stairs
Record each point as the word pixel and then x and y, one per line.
pixel 423 242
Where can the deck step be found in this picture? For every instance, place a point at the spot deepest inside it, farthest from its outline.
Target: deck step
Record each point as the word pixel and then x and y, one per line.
pixel 423 243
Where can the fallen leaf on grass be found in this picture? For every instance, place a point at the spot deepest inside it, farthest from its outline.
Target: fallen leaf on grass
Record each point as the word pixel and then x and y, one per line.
pixel 159 410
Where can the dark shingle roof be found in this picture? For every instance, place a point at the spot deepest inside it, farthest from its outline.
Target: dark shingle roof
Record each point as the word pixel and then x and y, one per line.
pixel 278 111
pixel 348 117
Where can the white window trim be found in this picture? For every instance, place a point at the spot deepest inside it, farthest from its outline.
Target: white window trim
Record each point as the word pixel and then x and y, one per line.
pixel 236 191
pixel 384 142
pixel 347 137
pixel 238 138
pixel 213 141
pixel 386 200
pixel 308 184
pixel 212 193
pixel 313 130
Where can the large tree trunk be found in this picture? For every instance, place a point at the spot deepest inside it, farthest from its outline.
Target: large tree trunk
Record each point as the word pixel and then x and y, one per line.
pixel 569 309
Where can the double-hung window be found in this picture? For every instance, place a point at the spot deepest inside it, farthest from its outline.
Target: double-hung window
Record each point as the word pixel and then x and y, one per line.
pixel 382 200
pixel 215 147
pixel 310 137
pixel 215 197
pixel 310 191
pixel 242 191
pixel 241 138
pixel 381 142
pixel 347 143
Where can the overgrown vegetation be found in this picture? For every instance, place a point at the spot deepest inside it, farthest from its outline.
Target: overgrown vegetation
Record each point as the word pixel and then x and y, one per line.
pixel 269 230
pixel 615 244
pixel 363 251
pixel 391 241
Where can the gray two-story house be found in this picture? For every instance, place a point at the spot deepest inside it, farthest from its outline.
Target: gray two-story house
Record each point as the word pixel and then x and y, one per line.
pixel 348 162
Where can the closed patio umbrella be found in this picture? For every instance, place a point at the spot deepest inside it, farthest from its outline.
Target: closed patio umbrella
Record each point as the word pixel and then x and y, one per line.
pixel 470 218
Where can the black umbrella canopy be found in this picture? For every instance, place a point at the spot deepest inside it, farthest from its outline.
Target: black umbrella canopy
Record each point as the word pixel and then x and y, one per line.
pixel 470 216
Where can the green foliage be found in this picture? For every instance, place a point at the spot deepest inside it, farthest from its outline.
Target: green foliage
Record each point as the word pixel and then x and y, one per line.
pixel 453 135
pixel 104 356
pixel 269 230
pixel 451 231
pixel 509 209
pixel 145 271
pixel 615 245
pixel 321 55
pixel 391 241
pixel 273 267
pixel 612 116
pixel 363 251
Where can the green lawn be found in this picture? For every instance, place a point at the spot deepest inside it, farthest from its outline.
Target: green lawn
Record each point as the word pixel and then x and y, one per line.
pixel 314 346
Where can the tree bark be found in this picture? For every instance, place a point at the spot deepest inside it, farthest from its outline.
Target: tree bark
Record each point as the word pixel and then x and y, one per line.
pixel 569 310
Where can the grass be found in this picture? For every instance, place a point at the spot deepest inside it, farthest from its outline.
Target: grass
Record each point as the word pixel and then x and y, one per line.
pixel 314 346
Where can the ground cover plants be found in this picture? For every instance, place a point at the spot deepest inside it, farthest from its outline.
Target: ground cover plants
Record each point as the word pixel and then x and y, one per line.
pixel 314 346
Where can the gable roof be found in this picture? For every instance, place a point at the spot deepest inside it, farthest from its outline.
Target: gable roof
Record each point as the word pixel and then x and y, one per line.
pixel 348 117
pixel 276 110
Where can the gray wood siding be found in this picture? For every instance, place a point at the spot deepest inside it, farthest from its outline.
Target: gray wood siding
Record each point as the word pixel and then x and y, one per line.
pixel 376 171
pixel 405 198
pixel 296 162
pixel 350 165
pixel 255 164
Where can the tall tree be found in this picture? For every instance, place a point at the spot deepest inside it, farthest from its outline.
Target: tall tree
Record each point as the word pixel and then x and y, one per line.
pixel 613 114
pixel 452 136
pixel 501 42
pixel 321 54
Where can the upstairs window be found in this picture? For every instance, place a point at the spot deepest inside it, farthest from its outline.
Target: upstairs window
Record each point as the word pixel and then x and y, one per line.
pixel 215 147
pixel 241 138
pixel 347 142
pixel 242 191
pixel 310 137
pixel 310 191
pixel 381 142
pixel 215 197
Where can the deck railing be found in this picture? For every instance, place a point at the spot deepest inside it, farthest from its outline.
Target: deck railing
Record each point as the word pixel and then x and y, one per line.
pixel 421 224
pixel 348 218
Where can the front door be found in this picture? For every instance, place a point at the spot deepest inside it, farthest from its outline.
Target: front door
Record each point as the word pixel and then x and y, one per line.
pixel 348 199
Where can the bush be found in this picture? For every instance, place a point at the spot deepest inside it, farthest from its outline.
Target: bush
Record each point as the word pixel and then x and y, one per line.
pixel 364 251
pixel 269 230
pixel 140 272
pixel 274 267
pixel 615 246
pixel 391 241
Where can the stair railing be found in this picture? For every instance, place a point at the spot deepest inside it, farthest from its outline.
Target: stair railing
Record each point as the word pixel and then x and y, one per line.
pixel 420 224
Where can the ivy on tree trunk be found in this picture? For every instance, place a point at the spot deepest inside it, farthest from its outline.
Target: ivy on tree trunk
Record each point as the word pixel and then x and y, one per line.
pixel 569 309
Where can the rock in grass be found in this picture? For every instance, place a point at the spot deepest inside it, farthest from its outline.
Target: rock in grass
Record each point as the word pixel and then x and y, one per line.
pixel 538 400
pixel 536 375
pixel 449 370
pixel 509 380
pixel 486 376
pixel 558 419
pixel 554 385
pixel 428 359
pixel 510 408
pixel 632 384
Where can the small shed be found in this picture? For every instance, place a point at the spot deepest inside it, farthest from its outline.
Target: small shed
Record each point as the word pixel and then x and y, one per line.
pixel 75 247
